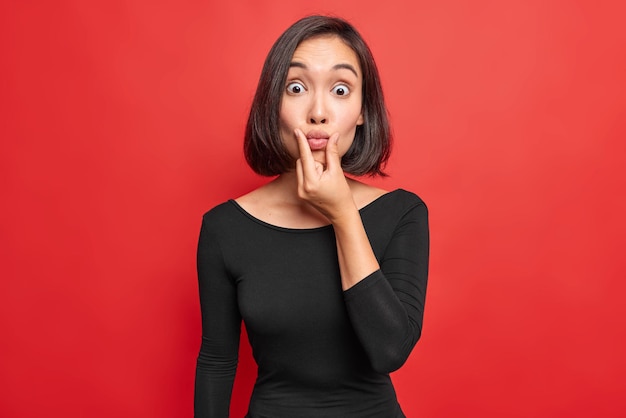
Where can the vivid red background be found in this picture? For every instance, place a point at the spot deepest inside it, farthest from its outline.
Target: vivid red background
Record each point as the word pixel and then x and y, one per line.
pixel 121 124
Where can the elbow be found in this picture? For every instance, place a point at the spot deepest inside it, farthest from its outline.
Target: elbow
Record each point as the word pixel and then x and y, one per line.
pixel 219 365
pixel 392 358
pixel 389 364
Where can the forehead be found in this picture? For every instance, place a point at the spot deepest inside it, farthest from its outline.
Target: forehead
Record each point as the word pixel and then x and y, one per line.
pixel 325 51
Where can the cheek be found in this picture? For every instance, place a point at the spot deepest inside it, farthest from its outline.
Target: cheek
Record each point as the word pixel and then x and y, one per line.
pixel 355 113
pixel 286 128
pixel 286 118
pixel 353 119
pixel 282 117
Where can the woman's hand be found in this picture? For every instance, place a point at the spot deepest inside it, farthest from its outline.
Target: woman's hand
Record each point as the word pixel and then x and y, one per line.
pixel 325 188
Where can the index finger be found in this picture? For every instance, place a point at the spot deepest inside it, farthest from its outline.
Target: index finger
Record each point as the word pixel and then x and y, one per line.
pixel 308 163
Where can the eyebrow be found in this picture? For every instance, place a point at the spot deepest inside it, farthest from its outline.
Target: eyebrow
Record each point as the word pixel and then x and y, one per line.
pixel 335 67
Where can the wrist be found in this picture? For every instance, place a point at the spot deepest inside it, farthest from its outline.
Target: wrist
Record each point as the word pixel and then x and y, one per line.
pixel 346 217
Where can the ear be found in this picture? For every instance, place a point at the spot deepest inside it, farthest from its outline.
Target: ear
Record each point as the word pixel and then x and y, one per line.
pixel 360 120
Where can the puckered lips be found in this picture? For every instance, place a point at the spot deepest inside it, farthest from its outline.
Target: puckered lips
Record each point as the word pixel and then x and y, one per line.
pixel 317 140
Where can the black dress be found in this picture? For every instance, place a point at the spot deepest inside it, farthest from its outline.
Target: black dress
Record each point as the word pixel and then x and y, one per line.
pixel 320 351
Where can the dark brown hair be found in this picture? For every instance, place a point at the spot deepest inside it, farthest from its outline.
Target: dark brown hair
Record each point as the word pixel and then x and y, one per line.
pixel 263 146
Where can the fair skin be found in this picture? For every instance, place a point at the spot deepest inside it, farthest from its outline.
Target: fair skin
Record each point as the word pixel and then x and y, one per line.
pixel 320 110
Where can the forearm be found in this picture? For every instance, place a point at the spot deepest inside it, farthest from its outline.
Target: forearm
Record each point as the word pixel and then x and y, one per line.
pixel 386 307
pixel 381 321
pixel 214 383
pixel 354 251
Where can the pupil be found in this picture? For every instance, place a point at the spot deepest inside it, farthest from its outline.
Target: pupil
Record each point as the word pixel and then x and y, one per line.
pixel 340 91
pixel 296 89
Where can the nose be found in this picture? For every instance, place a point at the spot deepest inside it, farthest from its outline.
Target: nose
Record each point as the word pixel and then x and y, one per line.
pixel 318 111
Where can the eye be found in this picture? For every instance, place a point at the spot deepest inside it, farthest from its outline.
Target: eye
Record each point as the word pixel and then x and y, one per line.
pixel 295 88
pixel 341 90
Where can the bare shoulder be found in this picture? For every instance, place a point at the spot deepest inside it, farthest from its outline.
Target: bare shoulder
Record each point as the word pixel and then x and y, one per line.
pixel 364 194
pixel 254 201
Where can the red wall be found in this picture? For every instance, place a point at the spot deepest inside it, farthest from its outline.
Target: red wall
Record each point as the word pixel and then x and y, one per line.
pixel 121 124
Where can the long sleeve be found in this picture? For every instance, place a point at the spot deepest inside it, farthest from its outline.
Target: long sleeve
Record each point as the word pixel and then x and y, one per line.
pixel 221 326
pixel 386 308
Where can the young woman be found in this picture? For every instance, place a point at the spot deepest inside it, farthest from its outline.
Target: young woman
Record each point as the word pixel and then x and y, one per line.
pixel 328 273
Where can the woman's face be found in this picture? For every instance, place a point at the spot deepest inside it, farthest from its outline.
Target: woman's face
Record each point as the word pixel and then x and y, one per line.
pixel 322 96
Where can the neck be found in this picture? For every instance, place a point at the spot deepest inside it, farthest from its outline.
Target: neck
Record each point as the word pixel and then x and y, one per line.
pixel 286 186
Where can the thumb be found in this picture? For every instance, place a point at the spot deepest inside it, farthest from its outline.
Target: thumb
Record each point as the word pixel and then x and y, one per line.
pixel 333 160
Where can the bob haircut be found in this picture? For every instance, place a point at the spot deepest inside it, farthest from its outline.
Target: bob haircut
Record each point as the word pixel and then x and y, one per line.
pixel 263 146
